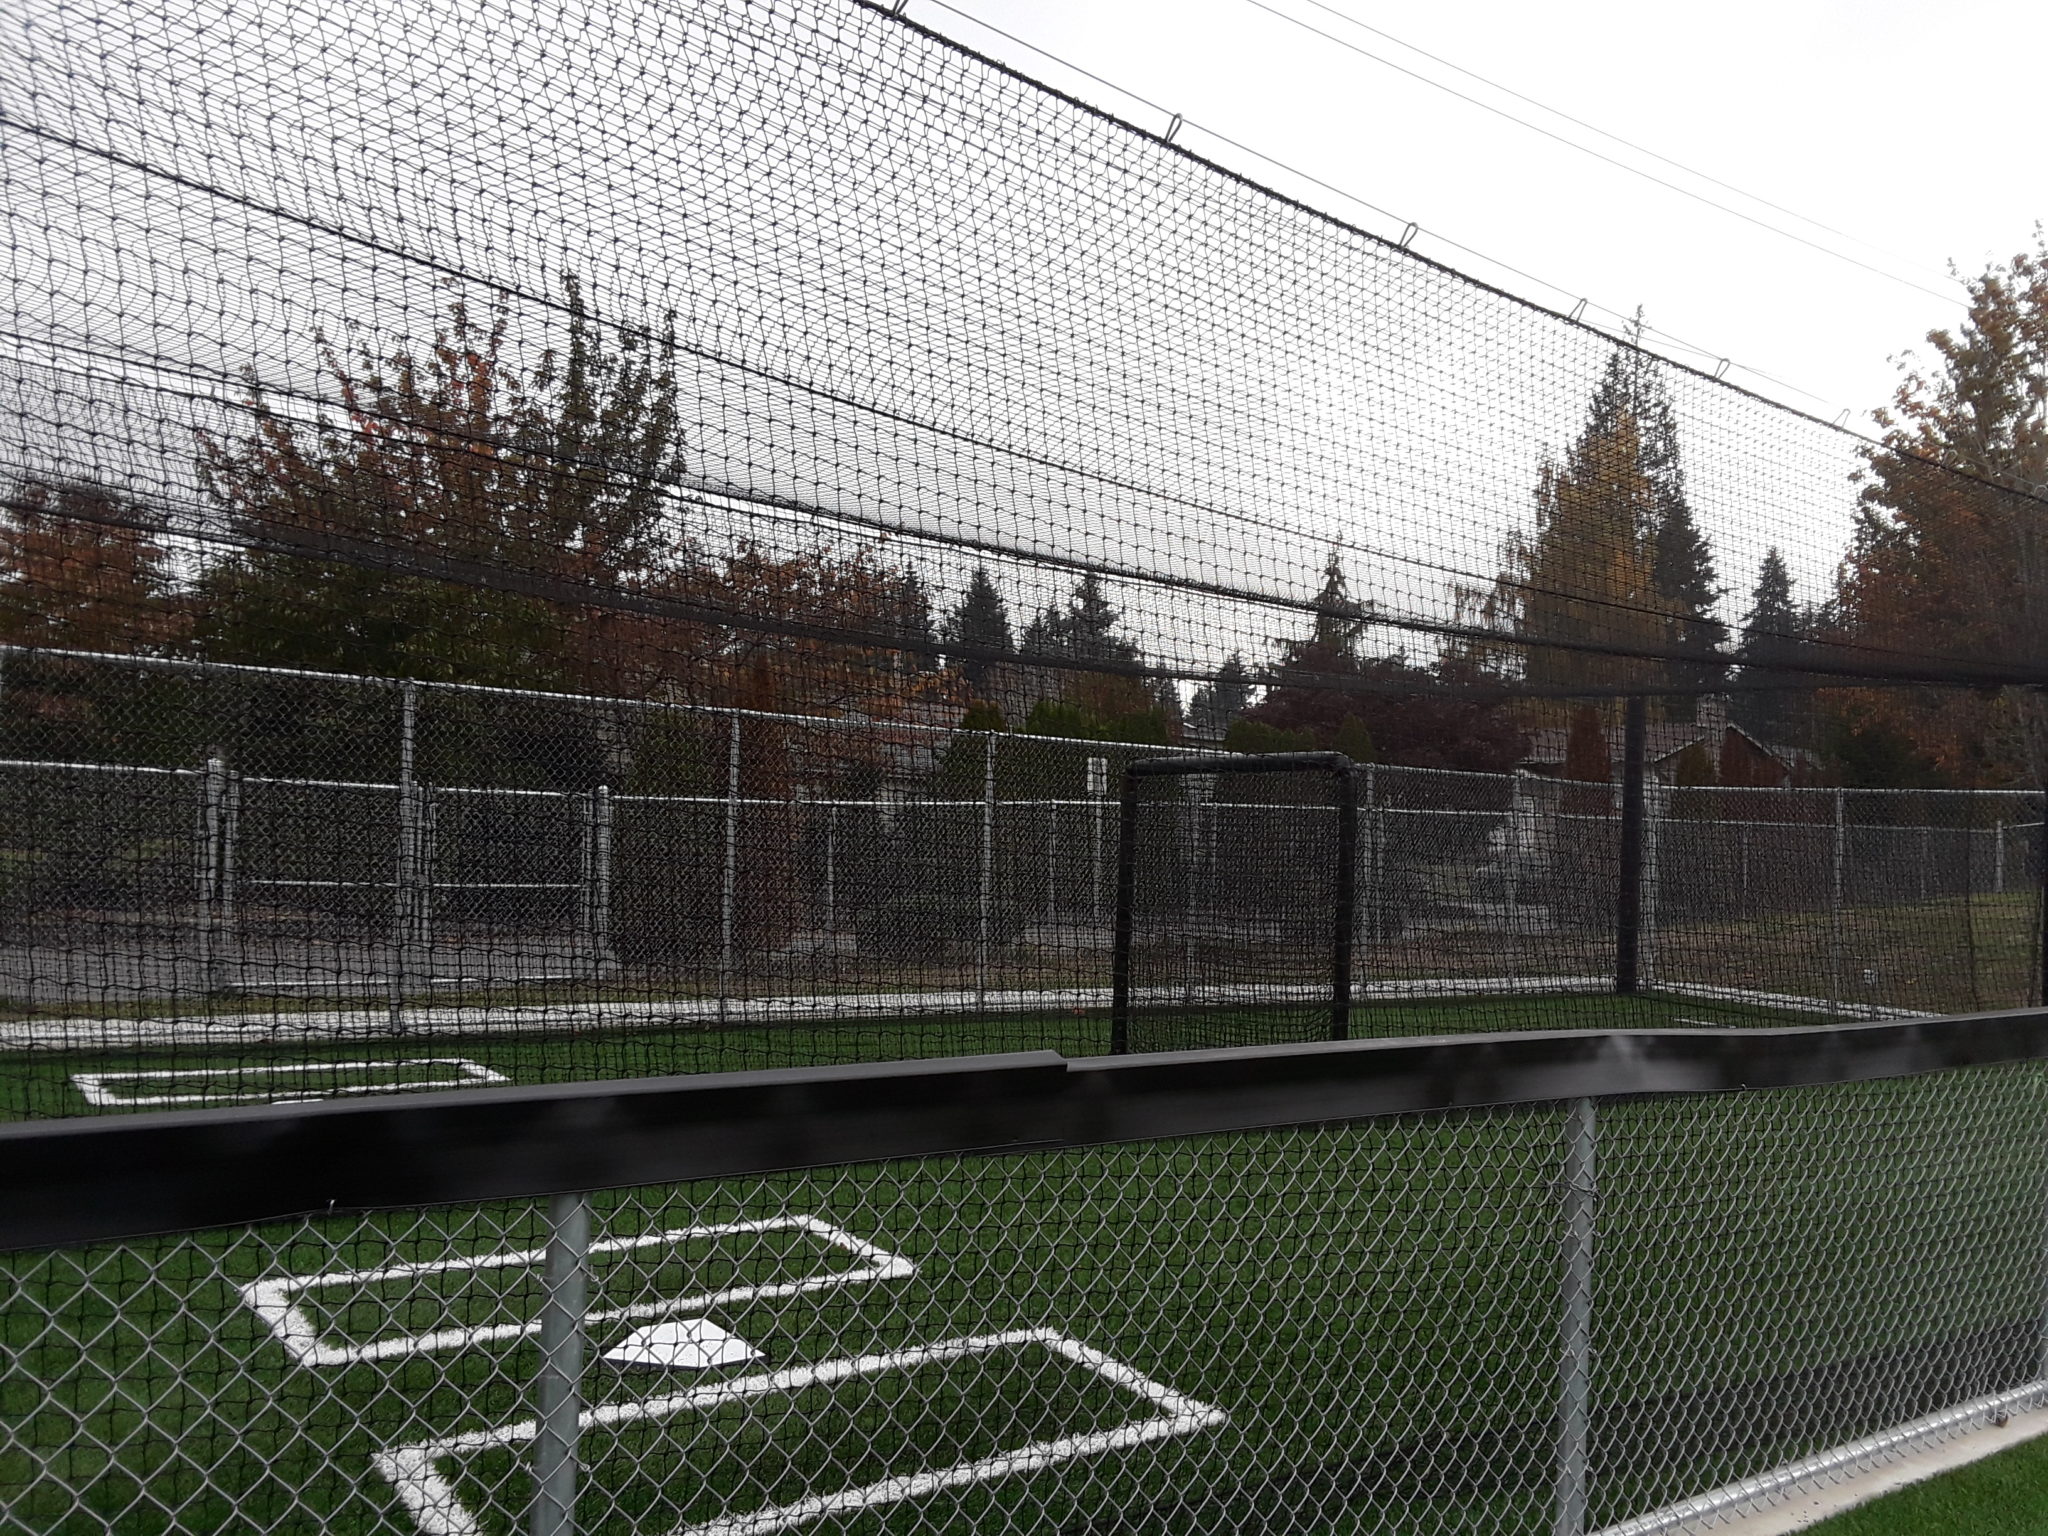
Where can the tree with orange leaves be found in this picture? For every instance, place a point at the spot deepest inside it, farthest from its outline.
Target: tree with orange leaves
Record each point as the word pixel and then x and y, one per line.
pixel 1956 564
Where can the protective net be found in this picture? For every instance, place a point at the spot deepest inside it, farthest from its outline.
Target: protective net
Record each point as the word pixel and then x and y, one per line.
pixel 568 543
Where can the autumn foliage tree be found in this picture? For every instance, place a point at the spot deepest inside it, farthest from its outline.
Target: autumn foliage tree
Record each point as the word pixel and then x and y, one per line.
pixel 1949 564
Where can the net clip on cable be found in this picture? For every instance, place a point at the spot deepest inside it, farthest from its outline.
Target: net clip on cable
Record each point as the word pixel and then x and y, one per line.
pixel 1173 128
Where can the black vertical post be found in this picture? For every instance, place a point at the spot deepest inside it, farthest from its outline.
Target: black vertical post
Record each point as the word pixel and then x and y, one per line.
pixel 1628 913
pixel 1347 901
pixel 1126 886
pixel 2041 886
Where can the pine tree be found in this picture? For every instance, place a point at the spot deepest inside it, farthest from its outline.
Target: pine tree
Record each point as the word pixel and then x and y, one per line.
pixel 981 620
pixel 1218 702
pixel 1682 572
pixel 1775 632
pixel 1340 619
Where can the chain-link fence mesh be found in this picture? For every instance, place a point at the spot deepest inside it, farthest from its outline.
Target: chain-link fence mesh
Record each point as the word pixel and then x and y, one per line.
pixel 361 869
pixel 1419 1324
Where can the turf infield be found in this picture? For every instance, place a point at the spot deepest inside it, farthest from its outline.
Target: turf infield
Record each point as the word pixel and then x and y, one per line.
pixel 1374 1310
pixel 45 1083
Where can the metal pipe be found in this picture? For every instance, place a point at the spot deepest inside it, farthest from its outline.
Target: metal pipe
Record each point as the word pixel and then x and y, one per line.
pixel 1347 903
pixel 1835 908
pixel 1120 942
pixel 405 877
pixel 1575 1364
pixel 1629 894
pixel 728 880
pixel 558 1382
pixel 985 928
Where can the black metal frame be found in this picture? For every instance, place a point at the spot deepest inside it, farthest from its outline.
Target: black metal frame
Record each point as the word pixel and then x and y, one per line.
pixel 1344 919
pixel 64 1183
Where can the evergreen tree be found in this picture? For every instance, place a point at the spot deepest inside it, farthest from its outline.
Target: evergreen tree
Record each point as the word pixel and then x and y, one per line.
pixel 1777 630
pixel 980 620
pixel 1340 619
pixel 1218 702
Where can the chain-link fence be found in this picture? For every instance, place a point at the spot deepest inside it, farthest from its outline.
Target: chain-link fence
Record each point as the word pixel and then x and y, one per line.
pixel 265 863
pixel 1609 1313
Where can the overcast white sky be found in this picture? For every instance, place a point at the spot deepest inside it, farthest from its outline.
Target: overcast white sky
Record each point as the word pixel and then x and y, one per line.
pixel 1912 125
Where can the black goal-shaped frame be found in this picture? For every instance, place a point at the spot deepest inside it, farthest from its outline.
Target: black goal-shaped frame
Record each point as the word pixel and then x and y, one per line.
pixel 1343 921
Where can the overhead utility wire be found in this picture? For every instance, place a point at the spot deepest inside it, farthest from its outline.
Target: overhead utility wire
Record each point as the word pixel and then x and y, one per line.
pixel 1352 197
pixel 1580 122
pixel 1587 149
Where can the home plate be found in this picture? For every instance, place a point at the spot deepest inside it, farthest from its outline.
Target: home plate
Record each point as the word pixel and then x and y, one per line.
pixel 685 1344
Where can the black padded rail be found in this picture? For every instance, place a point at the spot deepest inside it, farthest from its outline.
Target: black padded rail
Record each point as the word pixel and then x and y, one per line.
pixel 79 1181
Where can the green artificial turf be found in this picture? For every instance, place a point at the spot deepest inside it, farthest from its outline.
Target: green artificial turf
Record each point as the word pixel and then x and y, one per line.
pixel 1374 1308
pixel 41 1083
pixel 2003 1495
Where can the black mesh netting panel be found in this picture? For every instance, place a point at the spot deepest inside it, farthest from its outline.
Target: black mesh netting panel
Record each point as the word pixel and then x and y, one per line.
pixel 559 543
pixel 1236 916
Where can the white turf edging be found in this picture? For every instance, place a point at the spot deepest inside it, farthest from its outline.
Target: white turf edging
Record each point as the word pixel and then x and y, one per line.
pixel 376 1023
pixel 1863 1469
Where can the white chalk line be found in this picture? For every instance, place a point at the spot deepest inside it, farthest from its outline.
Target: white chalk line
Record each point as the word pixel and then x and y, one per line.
pixel 375 1022
pixel 277 1300
pixel 434 1505
pixel 95 1085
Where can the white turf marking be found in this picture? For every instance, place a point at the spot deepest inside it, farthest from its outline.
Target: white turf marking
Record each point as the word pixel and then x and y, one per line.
pixel 433 1503
pixel 367 1022
pixel 95 1085
pixel 276 1300
pixel 689 1344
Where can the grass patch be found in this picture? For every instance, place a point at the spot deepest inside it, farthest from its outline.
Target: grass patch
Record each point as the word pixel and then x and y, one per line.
pixel 2002 1495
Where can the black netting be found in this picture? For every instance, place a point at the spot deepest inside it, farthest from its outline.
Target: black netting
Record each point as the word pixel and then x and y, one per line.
pixel 644 539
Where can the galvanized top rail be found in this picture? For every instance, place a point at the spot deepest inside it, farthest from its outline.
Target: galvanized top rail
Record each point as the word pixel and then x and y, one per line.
pixel 93 1180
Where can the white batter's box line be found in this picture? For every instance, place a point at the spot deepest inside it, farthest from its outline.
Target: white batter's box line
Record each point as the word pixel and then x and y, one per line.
pixel 276 1300
pixel 435 1507
pixel 94 1085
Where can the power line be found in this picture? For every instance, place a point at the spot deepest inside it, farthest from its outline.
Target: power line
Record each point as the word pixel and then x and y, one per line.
pixel 1508 90
pixel 1586 149
pixel 1309 178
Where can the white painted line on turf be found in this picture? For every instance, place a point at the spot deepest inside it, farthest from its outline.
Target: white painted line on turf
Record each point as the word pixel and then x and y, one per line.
pixel 369 1022
pixel 432 1501
pixel 276 1300
pixel 95 1085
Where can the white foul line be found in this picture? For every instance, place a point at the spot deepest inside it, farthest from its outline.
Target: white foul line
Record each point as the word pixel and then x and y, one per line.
pixel 433 1503
pixel 276 1300
pixel 94 1084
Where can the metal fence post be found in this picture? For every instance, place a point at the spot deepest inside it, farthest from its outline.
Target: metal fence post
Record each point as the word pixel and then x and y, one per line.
pixel 1370 812
pixel 1098 792
pixel 1998 859
pixel 1575 1368
pixel 214 852
pixel 1835 907
pixel 729 873
pixel 558 1383
pixel 406 874
pixel 1629 897
pixel 984 939
pixel 1347 902
pixel 1126 892
pixel 595 918
pixel 831 913
pixel 1656 808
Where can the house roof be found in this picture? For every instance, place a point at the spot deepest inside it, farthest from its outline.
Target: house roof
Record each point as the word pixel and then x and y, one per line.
pixel 1661 742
